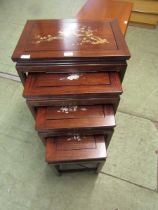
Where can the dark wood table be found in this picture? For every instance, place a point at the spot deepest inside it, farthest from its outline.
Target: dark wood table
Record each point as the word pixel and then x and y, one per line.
pixel 72 72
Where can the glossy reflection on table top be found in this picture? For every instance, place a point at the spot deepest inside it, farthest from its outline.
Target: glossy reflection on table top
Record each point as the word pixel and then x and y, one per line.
pixel 70 39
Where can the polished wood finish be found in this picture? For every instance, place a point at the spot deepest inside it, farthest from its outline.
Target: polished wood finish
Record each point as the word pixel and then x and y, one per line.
pixel 55 121
pixel 45 89
pixel 34 104
pixel 73 46
pixel 70 40
pixel 71 67
pixel 73 102
pixel 72 86
pixel 76 153
pixel 75 148
pixel 72 72
pixel 102 9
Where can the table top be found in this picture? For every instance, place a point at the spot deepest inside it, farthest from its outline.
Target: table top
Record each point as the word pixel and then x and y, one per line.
pixel 85 85
pixel 69 118
pixel 75 148
pixel 71 40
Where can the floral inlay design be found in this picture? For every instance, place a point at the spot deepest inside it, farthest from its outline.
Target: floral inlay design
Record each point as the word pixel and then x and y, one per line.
pixel 76 138
pixel 85 34
pixel 71 77
pixel 68 109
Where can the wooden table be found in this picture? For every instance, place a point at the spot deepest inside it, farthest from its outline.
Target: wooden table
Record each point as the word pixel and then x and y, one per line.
pixel 72 72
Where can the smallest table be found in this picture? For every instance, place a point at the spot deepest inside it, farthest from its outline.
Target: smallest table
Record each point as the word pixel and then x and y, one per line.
pixel 77 153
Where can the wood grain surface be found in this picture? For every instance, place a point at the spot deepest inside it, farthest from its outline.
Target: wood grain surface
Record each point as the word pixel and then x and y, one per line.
pixel 102 9
pixel 70 40
pixel 75 119
pixel 67 149
pixel 72 86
